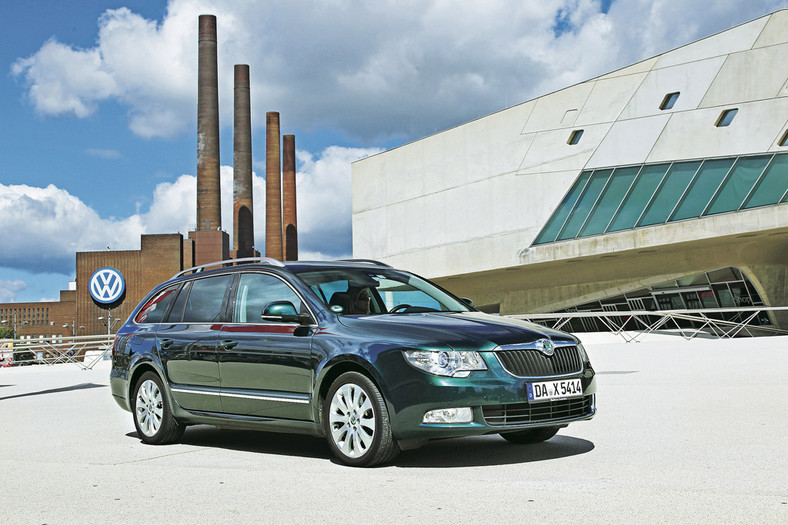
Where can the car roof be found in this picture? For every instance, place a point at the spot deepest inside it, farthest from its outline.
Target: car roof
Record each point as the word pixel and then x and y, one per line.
pixel 231 265
pixel 350 263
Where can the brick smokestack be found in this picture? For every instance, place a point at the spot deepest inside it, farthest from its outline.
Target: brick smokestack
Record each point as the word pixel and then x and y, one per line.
pixel 289 216
pixel 209 208
pixel 243 223
pixel 273 188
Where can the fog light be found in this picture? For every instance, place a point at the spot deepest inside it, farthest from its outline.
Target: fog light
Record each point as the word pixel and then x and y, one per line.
pixel 449 415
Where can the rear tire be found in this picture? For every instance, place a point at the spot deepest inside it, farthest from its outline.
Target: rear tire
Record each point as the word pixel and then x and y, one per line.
pixel 356 422
pixel 152 413
pixel 531 435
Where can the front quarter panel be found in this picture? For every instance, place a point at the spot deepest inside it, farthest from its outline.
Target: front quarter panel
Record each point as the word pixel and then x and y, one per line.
pixel 335 353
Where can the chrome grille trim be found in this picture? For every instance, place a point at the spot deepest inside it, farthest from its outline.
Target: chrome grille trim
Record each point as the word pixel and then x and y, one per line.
pixel 522 361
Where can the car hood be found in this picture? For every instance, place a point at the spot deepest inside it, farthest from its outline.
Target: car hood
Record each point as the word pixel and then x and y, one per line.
pixel 461 331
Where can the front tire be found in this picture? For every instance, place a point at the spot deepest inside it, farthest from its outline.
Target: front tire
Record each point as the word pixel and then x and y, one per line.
pixel 531 435
pixel 152 413
pixel 356 422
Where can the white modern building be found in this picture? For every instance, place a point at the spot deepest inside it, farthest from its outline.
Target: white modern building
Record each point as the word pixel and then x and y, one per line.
pixel 663 184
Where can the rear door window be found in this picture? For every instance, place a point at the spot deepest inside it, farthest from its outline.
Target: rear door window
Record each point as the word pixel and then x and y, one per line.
pixel 205 303
pixel 176 313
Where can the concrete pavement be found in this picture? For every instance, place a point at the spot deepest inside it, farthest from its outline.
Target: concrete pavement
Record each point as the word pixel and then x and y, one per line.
pixel 687 432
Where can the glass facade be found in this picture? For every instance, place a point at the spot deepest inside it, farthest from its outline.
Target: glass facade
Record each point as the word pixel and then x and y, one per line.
pixel 614 199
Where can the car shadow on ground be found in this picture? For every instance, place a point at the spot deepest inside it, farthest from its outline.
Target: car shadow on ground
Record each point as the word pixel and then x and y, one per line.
pixel 477 451
pixel 254 441
pixel 483 451
pixel 82 386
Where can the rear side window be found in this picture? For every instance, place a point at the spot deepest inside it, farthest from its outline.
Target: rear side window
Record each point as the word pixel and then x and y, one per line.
pixel 205 301
pixel 153 311
pixel 176 314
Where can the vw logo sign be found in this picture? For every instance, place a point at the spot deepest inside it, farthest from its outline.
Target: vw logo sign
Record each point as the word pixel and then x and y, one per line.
pixel 106 285
pixel 546 346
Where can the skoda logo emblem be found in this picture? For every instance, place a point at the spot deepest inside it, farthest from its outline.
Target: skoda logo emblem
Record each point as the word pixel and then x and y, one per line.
pixel 106 285
pixel 546 346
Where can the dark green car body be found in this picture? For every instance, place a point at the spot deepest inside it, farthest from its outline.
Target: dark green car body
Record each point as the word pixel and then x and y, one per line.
pixel 273 372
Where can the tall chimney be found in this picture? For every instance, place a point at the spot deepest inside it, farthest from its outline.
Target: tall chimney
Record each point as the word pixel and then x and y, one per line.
pixel 273 188
pixel 209 207
pixel 289 216
pixel 243 223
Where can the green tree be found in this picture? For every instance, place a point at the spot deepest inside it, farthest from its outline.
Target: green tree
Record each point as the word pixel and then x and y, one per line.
pixel 6 332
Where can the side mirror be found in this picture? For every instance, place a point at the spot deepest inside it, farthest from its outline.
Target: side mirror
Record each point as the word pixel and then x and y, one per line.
pixel 468 302
pixel 280 311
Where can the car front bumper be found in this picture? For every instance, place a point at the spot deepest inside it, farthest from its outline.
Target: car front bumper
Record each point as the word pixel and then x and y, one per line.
pixel 498 400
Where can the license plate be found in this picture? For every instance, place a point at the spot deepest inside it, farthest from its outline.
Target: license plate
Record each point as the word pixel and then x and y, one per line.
pixel 554 390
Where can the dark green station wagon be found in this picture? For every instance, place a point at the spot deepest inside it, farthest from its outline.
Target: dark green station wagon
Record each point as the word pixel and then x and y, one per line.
pixel 376 360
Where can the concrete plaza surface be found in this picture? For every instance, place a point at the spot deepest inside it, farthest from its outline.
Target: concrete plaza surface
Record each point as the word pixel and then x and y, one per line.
pixel 687 432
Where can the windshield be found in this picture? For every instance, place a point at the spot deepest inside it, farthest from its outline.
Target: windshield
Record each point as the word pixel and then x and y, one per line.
pixel 350 291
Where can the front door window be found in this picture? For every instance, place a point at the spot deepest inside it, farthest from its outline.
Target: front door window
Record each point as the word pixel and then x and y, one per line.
pixel 256 292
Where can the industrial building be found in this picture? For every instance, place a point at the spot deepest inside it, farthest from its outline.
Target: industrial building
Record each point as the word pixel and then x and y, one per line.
pixel 162 255
pixel 660 185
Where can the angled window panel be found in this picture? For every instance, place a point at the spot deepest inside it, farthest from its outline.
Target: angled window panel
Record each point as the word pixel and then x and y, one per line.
pixel 669 101
pixel 726 117
pixel 673 187
pixel 584 204
pixel 772 186
pixel 608 203
pixel 737 186
pixel 702 188
pixel 638 197
pixel 557 220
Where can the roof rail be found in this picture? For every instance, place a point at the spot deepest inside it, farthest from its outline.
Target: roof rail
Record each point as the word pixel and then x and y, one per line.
pixel 228 262
pixel 369 261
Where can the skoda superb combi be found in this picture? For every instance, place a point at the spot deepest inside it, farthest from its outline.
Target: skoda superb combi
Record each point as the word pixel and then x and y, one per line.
pixel 374 359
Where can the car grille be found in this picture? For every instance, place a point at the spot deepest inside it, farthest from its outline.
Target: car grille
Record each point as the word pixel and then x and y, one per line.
pixel 523 413
pixel 533 363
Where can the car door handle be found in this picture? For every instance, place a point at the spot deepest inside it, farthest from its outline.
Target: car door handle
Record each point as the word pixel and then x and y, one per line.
pixel 228 344
pixel 166 343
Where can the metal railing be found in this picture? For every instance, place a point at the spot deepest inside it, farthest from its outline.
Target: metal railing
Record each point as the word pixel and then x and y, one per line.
pixel 84 350
pixel 635 325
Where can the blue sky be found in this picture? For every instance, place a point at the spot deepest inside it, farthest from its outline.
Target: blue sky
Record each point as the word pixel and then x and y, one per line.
pixel 98 135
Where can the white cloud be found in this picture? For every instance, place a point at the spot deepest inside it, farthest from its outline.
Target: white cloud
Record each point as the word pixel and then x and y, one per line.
pixel 324 200
pixel 44 227
pixel 9 289
pixel 66 81
pixel 149 67
pixel 373 70
pixel 54 225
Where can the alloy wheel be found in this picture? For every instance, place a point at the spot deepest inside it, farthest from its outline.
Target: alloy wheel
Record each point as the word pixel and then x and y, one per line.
pixel 149 408
pixel 352 420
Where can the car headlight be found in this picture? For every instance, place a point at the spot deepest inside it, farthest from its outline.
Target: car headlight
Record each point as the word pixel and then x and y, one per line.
pixel 449 363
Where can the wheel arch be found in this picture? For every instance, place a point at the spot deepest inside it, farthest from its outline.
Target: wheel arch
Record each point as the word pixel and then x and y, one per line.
pixel 149 365
pixel 339 366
